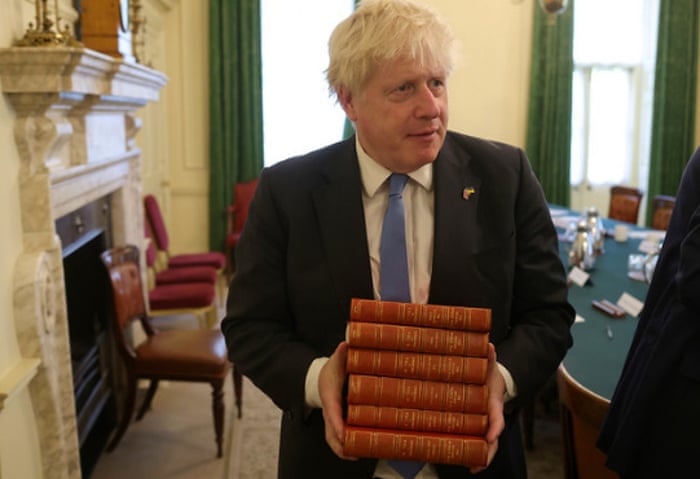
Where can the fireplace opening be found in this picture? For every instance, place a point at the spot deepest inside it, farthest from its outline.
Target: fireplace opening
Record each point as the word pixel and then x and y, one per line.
pixel 85 234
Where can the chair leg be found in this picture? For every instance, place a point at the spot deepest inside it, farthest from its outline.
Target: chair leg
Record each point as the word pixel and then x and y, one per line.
pixel 127 413
pixel 238 390
pixel 217 403
pixel 146 404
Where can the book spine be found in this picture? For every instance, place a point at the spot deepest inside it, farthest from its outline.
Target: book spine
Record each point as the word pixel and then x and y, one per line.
pixel 417 339
pixel 436 367
pixel 405 445
pixel 417 419
pixel 417 394
pixel 427 315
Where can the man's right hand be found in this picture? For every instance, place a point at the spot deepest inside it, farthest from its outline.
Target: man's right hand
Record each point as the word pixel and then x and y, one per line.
pixel 330 389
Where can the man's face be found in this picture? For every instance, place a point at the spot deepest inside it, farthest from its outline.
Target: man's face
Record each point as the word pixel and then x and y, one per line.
pixel 400 115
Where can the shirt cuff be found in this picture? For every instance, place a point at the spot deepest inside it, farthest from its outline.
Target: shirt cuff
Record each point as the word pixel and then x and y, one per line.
pixel 511 389
pixel 311 395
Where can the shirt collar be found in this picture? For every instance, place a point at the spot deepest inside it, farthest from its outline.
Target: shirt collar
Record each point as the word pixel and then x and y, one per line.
pixel 374 175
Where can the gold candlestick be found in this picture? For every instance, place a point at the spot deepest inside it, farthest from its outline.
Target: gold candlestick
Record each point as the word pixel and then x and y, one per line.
pixel 42 34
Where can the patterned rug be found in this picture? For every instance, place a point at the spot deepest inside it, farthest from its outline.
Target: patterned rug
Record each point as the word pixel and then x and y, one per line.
pixel 255 437
pixel 255 440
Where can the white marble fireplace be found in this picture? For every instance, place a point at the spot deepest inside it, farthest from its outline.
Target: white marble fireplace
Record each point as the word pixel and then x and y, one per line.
pixel 74 131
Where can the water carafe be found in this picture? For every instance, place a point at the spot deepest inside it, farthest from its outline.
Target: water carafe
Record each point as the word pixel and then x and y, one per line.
pixel 595 226
pixel 582 252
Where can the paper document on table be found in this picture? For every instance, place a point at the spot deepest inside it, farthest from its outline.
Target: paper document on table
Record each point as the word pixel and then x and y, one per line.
pixel 630 304
pixel 557 212
pixel 564 221
pixel 578 276
pixel 643 234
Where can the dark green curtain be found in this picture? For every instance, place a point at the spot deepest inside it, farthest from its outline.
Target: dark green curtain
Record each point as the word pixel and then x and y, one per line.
pixel 675 83
pixel 548 143
pixel 235 102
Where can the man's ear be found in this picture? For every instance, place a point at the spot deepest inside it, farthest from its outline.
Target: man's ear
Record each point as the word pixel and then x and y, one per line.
pixel 346 101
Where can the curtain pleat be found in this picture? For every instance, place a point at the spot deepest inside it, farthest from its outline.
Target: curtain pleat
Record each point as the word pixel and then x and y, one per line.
pixel 548 142
pixel 673 123
pixel 236 128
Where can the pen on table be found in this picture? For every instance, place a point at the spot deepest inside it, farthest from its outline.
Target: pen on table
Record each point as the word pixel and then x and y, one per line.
pixel 609 332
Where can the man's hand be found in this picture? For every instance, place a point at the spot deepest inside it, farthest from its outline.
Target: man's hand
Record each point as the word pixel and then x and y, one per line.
pixel 497 389
pixel 330 389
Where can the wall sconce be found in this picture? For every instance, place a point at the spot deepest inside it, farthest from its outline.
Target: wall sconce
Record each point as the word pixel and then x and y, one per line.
pixel 553 8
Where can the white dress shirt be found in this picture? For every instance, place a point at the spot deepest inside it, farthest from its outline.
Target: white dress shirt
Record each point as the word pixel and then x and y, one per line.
pixel 419 204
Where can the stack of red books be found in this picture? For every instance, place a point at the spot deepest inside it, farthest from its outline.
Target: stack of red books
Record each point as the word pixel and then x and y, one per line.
pixel 417 382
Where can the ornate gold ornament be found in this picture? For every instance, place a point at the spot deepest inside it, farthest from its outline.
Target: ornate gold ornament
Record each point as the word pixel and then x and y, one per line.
pixel 43 34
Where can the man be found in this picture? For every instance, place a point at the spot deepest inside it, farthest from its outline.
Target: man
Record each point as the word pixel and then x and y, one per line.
pixel 478 233
pixel 654 417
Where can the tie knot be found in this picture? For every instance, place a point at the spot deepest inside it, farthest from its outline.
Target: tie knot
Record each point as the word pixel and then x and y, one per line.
pixel 397 182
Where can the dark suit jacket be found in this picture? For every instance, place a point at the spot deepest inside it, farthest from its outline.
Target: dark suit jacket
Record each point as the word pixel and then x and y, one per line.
pixel 665 350
pixel 303 255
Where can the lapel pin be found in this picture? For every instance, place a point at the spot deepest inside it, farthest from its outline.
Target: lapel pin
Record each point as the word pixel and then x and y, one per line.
pixel 468 192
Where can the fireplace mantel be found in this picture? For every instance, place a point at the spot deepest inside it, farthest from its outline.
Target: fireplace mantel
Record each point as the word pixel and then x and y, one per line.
pixel 74 131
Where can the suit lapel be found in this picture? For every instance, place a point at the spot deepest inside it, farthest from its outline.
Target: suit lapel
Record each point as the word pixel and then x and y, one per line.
pixel 455 232
pixel 338 203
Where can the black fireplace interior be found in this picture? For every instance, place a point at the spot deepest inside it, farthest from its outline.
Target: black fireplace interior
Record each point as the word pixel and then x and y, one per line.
pixel 85 234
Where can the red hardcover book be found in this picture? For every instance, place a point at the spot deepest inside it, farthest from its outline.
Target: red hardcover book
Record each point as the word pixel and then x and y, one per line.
pixel 428 315
pixel 417 393
pixel 415 446
pixel 417 419
pixel 436 367
pixel 417 339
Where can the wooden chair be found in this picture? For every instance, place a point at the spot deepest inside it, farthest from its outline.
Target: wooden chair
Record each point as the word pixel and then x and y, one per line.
pixel 237 213
pixel 624 203
pixel 161 275
pixel 173 295
pixel 174 355
pixel 161 239
pixel 662 207
pixel 582 414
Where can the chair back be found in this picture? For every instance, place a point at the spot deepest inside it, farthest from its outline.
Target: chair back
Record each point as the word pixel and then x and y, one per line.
pixel 155 220
pixel 129 305
pixel 624 203
pixel 151 253
pixel 662 208
pixel 582 414
pixel 242 196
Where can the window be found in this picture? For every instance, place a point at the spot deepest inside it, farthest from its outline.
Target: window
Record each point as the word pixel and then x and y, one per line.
pixel 299 115
pixel 614 53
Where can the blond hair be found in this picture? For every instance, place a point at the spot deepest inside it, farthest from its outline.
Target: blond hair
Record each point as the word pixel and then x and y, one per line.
pixel 383 31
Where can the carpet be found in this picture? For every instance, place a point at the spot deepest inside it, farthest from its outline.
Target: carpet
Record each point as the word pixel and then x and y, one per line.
pixel 254 437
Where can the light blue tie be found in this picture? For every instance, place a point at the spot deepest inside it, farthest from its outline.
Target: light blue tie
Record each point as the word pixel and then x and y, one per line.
pixel 394 274
pixel 392 249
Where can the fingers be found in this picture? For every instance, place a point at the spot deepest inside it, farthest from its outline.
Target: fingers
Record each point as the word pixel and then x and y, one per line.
pixel 496 420
pixel 330 387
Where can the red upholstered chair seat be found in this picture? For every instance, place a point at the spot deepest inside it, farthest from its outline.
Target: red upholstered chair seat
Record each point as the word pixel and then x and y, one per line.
pixel 181 296
pixel 212 259
pixel 161 239
pixel 182 290
pixel 194 274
